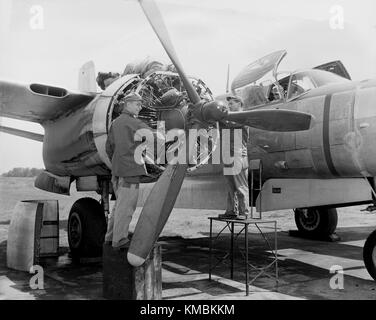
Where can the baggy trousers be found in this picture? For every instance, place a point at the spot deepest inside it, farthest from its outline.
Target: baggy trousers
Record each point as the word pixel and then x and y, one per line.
pixel 237 195
pixel 121 216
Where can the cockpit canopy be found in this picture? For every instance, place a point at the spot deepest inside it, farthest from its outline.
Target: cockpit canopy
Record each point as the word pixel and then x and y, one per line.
pixel 260 84
pixel 303 81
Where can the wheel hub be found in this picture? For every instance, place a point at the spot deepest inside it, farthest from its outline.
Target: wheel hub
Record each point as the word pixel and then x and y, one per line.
pixel 75 230
pixel 310 219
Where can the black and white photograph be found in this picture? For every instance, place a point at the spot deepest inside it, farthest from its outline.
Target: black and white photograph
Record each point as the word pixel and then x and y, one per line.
pixel 201 152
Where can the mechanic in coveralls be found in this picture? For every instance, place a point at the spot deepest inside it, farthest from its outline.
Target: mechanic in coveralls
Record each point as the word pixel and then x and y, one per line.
pixel 127 173
pixel 237 181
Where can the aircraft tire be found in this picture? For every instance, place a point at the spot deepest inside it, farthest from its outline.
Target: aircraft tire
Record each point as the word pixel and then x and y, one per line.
pixel 316 222
pixel 86 229
pixel 369 254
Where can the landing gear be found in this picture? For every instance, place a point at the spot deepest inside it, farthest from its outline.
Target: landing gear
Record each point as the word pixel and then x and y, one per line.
pixel 369 254
pixel 320 222
pixel 86 229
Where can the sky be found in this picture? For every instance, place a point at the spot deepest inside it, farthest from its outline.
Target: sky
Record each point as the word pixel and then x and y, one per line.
pixel 47 41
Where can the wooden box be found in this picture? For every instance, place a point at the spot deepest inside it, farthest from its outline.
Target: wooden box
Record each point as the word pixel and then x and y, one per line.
pixel 33 233
pixel 121 281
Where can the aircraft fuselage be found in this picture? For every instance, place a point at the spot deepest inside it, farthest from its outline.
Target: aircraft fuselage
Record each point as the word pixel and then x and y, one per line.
pixel 341 144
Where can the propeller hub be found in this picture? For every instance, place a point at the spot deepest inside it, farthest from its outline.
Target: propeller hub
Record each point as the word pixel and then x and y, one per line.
pixel 209 111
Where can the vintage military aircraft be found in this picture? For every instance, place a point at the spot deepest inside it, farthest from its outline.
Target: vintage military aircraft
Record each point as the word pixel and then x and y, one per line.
pixel 295 164
pixel 329 166
pixel 314 171
pixel 75 131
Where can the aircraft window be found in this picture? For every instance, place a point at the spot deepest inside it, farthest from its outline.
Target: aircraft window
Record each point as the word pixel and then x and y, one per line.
pixel 254 96
pixel 284 82
pixel 300 83
pixel 275 92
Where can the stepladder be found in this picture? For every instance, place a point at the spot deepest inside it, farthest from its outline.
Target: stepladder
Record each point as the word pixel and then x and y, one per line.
pixel 255 180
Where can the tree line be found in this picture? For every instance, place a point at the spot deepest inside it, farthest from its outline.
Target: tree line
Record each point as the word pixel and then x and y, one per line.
pixel 22 172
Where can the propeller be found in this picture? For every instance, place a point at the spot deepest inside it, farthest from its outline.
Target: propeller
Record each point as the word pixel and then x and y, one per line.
pixel 162 198
pixel 272 119
pixel 154 16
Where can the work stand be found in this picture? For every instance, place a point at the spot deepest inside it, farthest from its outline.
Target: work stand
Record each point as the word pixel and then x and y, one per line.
pixel 270 270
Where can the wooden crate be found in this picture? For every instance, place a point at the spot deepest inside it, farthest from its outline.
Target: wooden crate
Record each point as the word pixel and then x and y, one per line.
pixel 121 281
pixel 33 233
pixel 47 230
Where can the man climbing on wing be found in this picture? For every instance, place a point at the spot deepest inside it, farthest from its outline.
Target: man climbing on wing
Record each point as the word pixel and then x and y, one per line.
pixel 104 79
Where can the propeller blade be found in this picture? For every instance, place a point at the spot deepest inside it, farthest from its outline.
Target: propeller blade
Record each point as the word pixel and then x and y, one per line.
pixel 155 19
pixel 273 119
pixel 228 79
pixel 162 198
pixel 155 213
pixel 157 208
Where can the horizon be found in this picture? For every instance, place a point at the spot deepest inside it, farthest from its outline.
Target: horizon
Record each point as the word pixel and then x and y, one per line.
pixel 207 35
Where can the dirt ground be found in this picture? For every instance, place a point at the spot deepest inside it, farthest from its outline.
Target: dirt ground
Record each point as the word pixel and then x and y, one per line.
pixel 304 265
pixel 182 222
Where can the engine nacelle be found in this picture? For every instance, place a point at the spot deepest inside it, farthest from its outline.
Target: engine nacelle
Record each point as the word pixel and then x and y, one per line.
pixel 75 144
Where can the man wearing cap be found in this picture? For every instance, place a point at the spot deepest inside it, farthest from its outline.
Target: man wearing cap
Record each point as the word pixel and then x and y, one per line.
pixel 127 172
pixel 237 181
pixel 104 79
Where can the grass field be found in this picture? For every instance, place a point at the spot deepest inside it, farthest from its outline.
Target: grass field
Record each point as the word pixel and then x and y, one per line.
pixel 182 222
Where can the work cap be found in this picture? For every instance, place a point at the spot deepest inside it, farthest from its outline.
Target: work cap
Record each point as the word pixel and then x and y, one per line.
pixel 132 97
pixel 236 98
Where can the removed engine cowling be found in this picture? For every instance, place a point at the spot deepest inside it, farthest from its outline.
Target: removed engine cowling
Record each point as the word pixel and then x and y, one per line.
pixel 165 102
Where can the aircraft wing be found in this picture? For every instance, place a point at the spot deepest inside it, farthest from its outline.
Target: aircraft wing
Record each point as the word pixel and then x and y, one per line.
pixel 22 133
pixel 38 102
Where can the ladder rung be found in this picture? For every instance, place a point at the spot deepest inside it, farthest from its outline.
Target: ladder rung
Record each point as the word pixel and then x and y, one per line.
pixel 253 169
